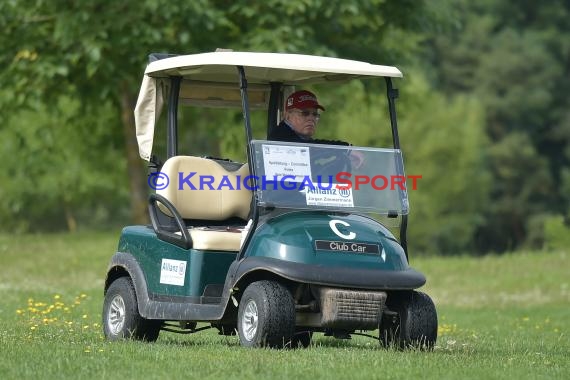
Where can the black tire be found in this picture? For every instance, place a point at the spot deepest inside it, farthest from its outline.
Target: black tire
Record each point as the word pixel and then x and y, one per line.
pixel 266 315
pixel 302 339
pixel 415 325
pixel 121 318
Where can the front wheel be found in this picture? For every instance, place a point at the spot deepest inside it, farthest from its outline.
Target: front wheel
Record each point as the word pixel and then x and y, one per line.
pixel 121 318
pixel 266 315
pixel 414 326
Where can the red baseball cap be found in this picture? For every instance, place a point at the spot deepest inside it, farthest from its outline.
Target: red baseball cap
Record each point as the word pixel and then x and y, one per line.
pixel 301 100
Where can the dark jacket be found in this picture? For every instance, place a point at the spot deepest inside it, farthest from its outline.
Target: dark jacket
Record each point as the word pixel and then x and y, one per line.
pixel 283 132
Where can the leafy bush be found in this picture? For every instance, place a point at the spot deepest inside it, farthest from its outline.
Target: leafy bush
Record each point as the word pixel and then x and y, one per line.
pixel 557 234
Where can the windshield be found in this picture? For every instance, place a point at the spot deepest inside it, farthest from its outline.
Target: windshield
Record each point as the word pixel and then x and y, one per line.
pixel 329 177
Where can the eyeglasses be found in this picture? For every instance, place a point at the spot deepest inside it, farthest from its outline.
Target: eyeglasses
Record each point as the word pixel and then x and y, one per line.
pixel 306 114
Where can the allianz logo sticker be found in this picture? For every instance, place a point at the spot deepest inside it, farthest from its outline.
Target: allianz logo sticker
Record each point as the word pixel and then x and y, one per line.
pixel 173 272
pixel 332 196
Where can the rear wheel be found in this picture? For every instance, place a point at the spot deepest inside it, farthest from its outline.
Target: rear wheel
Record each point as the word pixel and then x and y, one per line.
pixel 414 325
pixel 266 315
pixel 121 318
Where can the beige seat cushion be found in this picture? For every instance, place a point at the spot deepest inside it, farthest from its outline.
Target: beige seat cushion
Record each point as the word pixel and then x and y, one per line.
pixel 213 240
pixel 206 239
pixel 205 203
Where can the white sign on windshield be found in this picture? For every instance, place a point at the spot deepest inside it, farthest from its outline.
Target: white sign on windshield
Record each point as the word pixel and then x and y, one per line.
pixel 331 197
pixel 280 161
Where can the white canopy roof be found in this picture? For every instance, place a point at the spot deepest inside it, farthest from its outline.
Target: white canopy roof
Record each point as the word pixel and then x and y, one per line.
pixel 213 72
pixel 266 67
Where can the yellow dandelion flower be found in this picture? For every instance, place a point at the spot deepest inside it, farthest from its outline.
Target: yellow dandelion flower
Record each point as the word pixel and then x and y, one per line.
pixel 33 328
pixel 57 296
pixel 19 311
pixel 83 295
pixel 85 327
pixel 84 316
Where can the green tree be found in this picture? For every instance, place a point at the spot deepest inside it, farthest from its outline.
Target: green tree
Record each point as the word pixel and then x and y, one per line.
pixel 60 169
pixel 522 182
pixel 514 57
pixel 95 51
pixel 444 141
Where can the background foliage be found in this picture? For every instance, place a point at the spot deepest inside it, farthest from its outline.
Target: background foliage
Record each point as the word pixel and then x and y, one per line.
pixel 484 112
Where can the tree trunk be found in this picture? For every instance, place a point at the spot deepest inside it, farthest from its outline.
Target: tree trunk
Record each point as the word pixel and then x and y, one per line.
pixel 69 218
pixel 135 169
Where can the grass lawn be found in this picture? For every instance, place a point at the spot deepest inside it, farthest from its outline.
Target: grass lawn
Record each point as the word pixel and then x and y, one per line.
pixel 500 317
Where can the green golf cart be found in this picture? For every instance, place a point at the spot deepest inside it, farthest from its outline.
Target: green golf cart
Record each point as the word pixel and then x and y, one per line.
pixel 275 249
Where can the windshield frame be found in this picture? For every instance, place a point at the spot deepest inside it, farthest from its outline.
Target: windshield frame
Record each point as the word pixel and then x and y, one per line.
pixel 309 176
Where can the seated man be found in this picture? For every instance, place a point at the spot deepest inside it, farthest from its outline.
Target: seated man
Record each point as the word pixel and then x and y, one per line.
pixel 300 120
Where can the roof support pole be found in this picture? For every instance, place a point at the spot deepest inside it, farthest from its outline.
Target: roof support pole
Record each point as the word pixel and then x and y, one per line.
pixel 250 155
pixel 245 105
pixel 392 94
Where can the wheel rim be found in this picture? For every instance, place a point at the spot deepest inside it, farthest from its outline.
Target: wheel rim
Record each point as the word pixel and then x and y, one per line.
pixel 116 316
pixel 249 320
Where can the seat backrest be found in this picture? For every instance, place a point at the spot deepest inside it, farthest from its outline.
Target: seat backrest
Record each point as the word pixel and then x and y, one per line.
pixel 193 197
